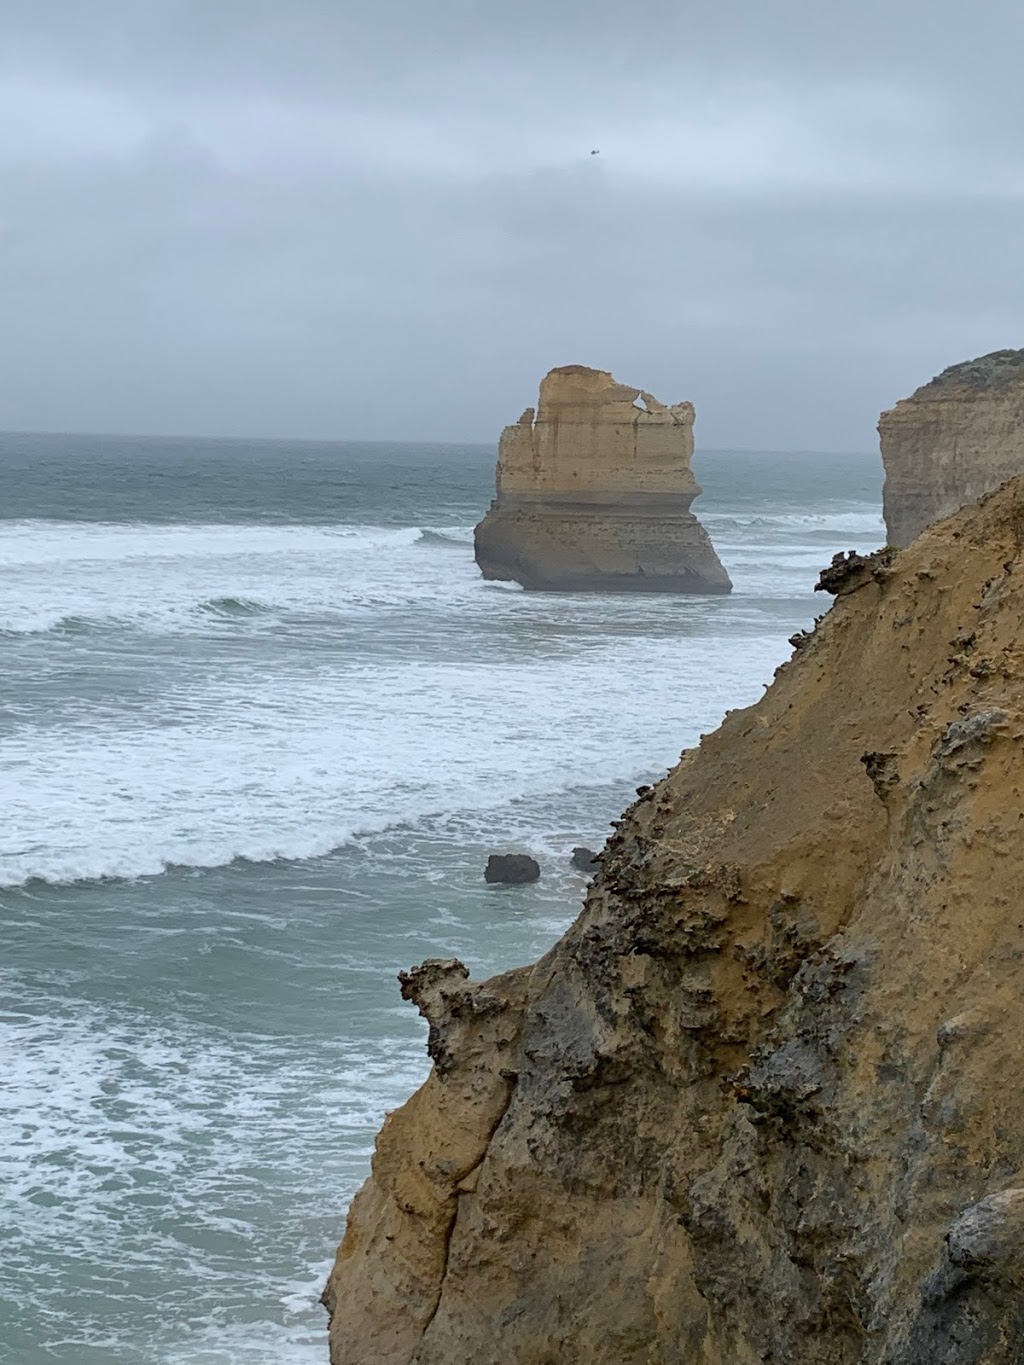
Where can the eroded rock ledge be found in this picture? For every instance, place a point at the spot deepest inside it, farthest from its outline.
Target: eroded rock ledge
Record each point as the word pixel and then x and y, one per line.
pixel 951 442
pixel 763 1102
pixel 594 492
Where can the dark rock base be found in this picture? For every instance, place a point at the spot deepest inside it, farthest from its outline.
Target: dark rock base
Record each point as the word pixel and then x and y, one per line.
pixel 560 547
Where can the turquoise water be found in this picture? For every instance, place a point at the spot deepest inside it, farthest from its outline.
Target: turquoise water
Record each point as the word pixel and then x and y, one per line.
pixel 261 723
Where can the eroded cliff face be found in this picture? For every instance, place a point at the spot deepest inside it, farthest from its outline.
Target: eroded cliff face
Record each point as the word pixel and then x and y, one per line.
pixel 594 493
pixel 952 442
pixel 764 1100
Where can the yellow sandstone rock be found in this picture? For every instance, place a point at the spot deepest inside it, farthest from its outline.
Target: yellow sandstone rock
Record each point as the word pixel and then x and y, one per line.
pixel 594 492
pixel 954 440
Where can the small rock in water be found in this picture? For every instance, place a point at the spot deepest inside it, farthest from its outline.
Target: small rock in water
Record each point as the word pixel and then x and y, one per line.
pixel 585 860
pixel 513 869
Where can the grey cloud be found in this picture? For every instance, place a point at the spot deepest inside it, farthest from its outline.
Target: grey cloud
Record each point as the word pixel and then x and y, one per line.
pixel 308 219
pixel 305 41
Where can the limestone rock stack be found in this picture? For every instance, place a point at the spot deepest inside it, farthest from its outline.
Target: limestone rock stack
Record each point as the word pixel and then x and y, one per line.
pixel 954 440
pixel 764 1100
pixel 594 492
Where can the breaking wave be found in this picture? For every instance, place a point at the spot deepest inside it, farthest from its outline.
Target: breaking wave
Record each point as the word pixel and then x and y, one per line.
pixel 43 623
pixel 457 538
pixel 235 606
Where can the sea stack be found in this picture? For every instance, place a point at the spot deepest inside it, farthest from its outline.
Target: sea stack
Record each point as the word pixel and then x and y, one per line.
pixel 763 1101
pixel 955 439
pixel 593 494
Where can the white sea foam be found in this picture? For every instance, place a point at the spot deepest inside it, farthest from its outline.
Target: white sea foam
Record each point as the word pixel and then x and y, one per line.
pixel 222 771
pixel 866 524
pixel 70 577
pixel 72 542
pixel 415 689
pixel 154 1137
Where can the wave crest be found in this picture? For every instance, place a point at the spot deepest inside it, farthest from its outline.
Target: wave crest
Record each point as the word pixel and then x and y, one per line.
pixel 51 624
pixel 234 606
pixel 453 539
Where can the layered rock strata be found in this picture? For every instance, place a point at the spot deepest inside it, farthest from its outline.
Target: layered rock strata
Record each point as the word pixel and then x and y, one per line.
pixel 764 1100
pixel 594 492
pixel 954 440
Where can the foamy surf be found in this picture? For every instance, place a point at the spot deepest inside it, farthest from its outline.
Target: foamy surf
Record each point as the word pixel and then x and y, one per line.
pixel 215 770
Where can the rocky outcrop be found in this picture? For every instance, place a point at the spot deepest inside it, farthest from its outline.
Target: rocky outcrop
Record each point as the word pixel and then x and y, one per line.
pixel 585 859
pixel 511 869
pixel 594 494
pixel 952 442
pixel 764 1100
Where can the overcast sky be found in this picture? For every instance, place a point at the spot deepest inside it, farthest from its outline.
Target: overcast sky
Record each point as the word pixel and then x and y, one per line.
pixel 381 218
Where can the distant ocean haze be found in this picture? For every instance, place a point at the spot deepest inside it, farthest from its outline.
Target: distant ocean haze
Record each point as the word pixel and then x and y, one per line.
pixel 261 722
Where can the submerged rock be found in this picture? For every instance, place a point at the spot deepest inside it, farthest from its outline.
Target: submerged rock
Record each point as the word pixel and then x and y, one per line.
pixel 594 494
pixel 585 860
pixel 954 440
pixel 763 1101
pixel 513 869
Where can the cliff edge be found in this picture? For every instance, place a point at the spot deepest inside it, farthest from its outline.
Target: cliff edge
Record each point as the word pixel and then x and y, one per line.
pixel 594 491
pixel 764 1101
pixel 951 442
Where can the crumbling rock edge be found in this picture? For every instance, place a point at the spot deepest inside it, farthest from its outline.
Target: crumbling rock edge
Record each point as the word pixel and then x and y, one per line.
pixel 763 1101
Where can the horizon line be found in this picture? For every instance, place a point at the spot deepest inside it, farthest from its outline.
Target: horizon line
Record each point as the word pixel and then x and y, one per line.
pixel 392 441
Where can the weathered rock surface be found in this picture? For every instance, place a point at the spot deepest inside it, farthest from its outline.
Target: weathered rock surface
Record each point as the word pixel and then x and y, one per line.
pixel 764 1102
pixel 594 494
pixel 953 441
pixel 585 859
pixel 513 869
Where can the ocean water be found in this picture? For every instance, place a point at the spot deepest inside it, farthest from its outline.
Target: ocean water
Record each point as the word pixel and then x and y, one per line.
pixel 261 723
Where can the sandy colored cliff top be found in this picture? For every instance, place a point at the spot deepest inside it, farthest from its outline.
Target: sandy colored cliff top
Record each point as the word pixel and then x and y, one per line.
pixel 996 370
